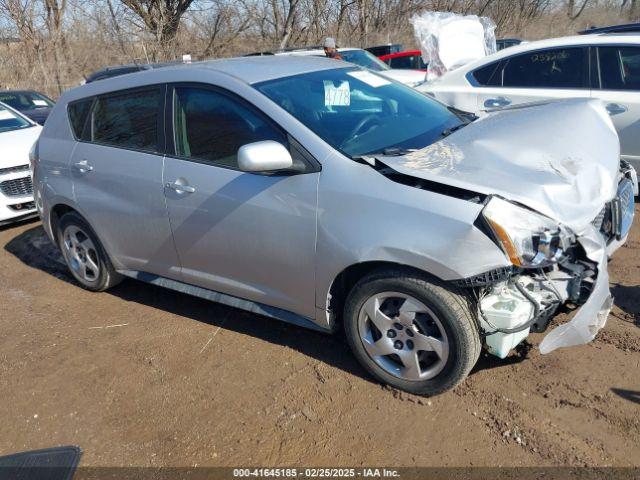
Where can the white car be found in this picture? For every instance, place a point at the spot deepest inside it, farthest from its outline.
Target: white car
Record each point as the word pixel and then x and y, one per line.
pixel 17 136
pixel 362 58
pixel 604 66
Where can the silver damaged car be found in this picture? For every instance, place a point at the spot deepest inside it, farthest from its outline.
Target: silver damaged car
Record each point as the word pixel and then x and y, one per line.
pixel 317 193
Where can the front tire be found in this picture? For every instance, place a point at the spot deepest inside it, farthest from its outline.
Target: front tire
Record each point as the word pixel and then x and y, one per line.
pixel 411 331
pixel 84 255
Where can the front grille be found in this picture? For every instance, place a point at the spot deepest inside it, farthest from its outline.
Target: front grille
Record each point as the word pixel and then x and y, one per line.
pixel 19 168
pixel 599 220
pixel 18 187
pixel 486 278
pixel 625 202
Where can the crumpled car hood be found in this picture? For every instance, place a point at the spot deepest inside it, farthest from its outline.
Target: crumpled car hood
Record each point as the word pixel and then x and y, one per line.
pixel 560 158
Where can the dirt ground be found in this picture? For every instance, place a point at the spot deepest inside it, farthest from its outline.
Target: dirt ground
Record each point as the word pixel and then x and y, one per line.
pixel 142 376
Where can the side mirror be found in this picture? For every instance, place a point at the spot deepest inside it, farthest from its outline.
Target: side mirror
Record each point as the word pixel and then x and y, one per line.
pixel 265 156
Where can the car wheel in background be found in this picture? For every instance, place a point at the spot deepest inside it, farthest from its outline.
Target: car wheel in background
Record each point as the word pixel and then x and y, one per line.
pixel 84 254
pixel 411 331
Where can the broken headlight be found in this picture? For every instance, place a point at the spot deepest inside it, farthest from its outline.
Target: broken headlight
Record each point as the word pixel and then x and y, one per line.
pixel 529 239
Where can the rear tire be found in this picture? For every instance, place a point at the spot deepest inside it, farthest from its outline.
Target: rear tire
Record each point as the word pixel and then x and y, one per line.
pixel 411 331
pixel 84 254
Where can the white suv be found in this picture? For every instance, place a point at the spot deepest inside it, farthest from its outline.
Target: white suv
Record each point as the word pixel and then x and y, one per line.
pixel 605 66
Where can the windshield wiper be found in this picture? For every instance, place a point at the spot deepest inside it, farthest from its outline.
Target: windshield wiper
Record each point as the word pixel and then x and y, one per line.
pixel 449 131
pixel 389 152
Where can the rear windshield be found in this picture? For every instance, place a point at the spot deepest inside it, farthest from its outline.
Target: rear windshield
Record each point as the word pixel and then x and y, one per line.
pixel 10 121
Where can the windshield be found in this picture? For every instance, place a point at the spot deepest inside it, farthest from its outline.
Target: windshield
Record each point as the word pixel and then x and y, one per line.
pixel 364 59
pixel 10 121
pixel 358 112
pixel 25 100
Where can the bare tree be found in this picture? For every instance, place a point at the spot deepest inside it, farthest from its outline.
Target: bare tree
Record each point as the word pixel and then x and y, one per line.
pixel 571 6
pixel 161 18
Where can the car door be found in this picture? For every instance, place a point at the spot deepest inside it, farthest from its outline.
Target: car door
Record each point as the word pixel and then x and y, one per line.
pixel 249 235
pixel 533 76
pixel 117 179
pixel 618 86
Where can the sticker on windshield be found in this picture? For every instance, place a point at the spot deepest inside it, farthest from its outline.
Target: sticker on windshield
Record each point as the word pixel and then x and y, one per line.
pixel 40 103
pixel 339 96
pixel 6 115
pixel 369 78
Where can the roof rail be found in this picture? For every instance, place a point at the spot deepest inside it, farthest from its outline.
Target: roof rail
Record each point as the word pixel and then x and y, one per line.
pixel 628 27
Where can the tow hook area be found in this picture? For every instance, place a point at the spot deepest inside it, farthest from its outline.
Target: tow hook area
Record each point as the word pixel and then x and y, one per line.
pixel 509 310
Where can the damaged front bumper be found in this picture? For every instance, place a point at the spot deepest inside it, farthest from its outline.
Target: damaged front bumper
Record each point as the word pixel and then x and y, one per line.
pixel 525 300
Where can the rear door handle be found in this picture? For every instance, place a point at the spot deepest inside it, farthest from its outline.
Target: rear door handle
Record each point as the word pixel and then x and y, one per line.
pixel 180 186
pixel 83 166
pixel 616 108
pixel 497 102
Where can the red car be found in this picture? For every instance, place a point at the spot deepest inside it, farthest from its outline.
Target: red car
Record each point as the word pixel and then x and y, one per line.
pixel 409 59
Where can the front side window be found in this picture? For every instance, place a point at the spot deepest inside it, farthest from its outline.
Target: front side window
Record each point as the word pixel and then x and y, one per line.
pixel 211 126
pixel 10 121
pixel 359 112
pixel 128 119
pixel 553 68
pixel 619 68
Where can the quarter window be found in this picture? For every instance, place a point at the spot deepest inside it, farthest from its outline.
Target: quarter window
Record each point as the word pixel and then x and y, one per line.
pixel 554 68
pixel 78 112
pixel 489 75
pixel 619 68
pixel 211 126
pixel 128 119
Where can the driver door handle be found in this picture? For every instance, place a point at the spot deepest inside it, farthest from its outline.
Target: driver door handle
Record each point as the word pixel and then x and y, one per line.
pixel 83 166
pixel 497 102
pixel 180 187
pixel 616 108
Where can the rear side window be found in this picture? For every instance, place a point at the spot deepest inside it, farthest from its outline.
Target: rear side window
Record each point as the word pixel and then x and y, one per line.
pixel 78 113
pixel 400 62
pixel 128 119
pixel 619 68
pixel 489 75
pixel 211 126
pixel 413 62
pixel 553 68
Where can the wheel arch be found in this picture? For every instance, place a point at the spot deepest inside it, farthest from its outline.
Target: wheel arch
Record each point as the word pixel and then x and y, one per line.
pixel 56 213
pixel 344 282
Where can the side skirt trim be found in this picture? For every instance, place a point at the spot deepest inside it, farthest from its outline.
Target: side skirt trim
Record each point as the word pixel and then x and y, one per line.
pixel 235 302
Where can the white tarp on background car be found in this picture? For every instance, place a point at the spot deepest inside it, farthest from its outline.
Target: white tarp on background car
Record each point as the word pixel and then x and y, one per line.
pixel 448 40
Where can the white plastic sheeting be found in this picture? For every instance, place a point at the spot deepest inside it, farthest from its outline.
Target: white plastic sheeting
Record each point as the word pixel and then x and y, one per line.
pixel 448 40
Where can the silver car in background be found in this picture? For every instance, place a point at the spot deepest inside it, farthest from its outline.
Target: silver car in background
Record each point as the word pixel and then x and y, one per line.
pixel 324 195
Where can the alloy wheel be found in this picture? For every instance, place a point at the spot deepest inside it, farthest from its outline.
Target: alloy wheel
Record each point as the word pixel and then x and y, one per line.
pixel 403 336
pixel 81 254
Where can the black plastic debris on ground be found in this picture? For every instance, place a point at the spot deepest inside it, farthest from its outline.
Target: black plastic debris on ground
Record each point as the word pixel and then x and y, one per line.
pixel 57 463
